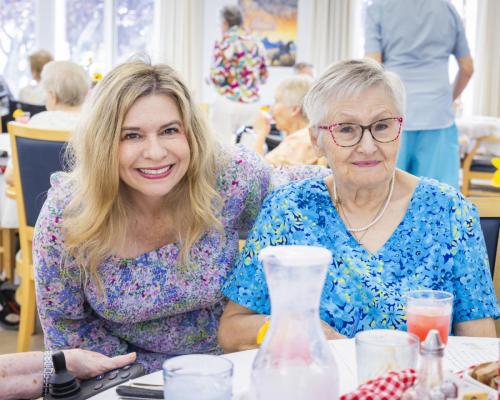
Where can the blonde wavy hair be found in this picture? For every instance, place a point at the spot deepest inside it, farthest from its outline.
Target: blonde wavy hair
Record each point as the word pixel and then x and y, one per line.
pixel 96 218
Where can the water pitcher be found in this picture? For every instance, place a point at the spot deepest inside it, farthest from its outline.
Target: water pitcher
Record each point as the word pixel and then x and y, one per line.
pixel 295 361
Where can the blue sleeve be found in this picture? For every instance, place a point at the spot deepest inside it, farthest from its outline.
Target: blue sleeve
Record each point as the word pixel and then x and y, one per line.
pixel 247 285
pixel 373 31
pixel 474 293
pixel 461 48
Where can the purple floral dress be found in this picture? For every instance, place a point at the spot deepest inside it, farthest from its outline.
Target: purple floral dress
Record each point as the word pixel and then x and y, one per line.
pixel 150 304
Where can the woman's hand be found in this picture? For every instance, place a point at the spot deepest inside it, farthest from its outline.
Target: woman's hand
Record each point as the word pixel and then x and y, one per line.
pixel 330 333
pixel 86 364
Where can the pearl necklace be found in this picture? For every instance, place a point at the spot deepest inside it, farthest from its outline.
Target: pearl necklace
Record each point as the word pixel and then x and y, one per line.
pixel 336 200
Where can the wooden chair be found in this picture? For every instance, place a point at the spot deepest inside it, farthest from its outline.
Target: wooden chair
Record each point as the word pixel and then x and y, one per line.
pixel 479 167
pixel 489 212
pixel 36 154
pixel 7 252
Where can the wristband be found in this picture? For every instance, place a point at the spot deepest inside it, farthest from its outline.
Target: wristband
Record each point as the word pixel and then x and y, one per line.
pixel 262 331
pixel 48 371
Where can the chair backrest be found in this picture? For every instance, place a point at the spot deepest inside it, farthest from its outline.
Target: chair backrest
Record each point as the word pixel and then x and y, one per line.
pixel 489 213
pixel 36 154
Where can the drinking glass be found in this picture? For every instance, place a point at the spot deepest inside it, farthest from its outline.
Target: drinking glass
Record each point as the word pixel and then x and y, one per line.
pixel 429 309
pixel 198 377
pixel 379 351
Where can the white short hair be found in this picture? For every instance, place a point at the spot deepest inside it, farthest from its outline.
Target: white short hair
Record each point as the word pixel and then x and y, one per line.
pixel 293 90
pixel 345 79
pixel 67 80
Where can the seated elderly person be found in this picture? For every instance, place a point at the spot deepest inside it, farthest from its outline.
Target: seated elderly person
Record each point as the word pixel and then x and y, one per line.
pixel 389 231
pixel 67 85
pixel 296 148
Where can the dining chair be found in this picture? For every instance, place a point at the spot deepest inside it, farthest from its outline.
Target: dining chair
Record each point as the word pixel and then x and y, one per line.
pixel 7 252
pixel 476 166
pixel 36 154
pixel 489 213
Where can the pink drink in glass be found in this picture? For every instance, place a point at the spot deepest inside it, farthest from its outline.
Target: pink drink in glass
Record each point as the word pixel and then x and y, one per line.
pixel 420 320
pixel 429 309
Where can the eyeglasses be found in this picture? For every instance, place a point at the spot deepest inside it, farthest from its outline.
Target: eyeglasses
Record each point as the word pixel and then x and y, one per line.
pixel 346 134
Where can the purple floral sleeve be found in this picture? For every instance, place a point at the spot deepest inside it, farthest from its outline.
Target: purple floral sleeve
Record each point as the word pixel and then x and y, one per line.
pixel 66 318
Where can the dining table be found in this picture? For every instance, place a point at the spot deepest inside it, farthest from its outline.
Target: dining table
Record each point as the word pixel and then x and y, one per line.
pixel 460 353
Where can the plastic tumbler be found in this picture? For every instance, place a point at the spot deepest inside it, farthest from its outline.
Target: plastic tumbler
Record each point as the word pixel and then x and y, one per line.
pixel 198 377
pixel 429 309
pixel 380 351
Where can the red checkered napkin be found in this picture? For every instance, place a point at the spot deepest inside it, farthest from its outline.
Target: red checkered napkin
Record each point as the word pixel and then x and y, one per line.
pixel 390 386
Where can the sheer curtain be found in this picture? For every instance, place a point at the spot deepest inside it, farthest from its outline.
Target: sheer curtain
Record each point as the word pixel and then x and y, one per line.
pixel 178 40
pixel 332 31
pixel 487 60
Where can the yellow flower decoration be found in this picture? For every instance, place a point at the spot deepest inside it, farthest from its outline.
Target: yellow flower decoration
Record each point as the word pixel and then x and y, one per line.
pixel 96 77
pixel 17 113
pixel 496 177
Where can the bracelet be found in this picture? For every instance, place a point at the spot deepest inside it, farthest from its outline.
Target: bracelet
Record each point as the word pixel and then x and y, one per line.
pixel 262 331
pixel 48 371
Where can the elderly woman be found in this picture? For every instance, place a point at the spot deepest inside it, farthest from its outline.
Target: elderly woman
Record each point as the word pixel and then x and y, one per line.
pixel 389 231
pixel 67 85
pixel 133 244
pixel 288 112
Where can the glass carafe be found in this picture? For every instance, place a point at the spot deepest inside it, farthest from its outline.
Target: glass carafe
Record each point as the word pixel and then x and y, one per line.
pixel 295 361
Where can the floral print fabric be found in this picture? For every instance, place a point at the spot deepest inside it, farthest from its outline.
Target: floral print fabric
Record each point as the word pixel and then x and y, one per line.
pixel 239 66
pixel 438 245
pixel 150 304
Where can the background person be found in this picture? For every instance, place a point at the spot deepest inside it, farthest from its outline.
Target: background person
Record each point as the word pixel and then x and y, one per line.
pixel 66 85
pixel 290 118
pixel 389 231
pixel 34 93
pixel 303 68
pixel 415 39
pixel 238 68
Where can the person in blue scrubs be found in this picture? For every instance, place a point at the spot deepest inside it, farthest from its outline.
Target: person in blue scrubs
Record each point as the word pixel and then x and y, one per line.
pixel 415 39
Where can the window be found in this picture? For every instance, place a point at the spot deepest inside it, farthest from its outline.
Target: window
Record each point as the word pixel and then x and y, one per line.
pixel 134 24
pixel 17 40
pixel 85 31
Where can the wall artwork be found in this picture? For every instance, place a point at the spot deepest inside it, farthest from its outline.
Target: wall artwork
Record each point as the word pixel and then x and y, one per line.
pixel 275 22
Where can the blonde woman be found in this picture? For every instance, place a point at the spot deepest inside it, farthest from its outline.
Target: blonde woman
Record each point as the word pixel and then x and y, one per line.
pixel 133 244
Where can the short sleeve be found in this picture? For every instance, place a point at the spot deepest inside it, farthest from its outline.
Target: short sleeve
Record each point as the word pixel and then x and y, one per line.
pixel 474 293
pixel 373 34
pixel 461 48
pixel 247 285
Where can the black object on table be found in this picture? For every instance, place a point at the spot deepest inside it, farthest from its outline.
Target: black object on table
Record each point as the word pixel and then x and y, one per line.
pixel 63 385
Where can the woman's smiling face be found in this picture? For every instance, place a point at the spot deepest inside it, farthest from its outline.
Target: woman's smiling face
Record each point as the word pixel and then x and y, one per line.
pixel 154 153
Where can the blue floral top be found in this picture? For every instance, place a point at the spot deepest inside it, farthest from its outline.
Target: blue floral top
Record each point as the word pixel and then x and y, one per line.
pixel 438 245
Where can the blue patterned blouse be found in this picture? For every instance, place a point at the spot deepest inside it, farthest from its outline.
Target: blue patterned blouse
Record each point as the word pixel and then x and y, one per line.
pixel 438 245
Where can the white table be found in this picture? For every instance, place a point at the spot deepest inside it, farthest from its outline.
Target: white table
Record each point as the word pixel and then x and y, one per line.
pixel 460 353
